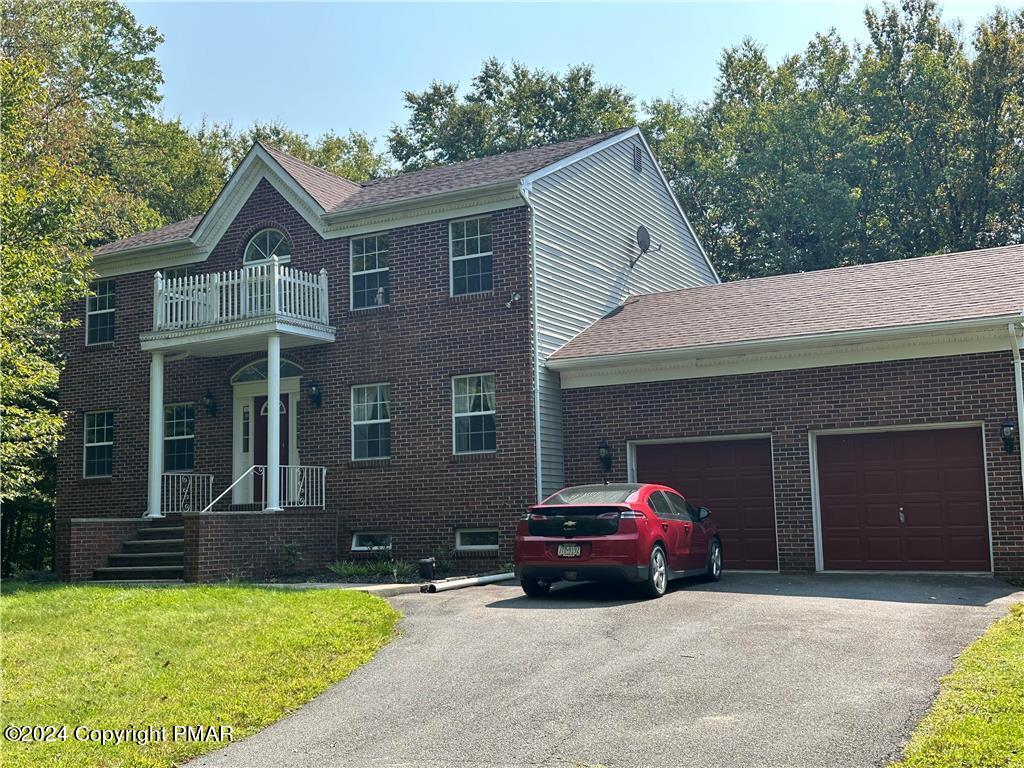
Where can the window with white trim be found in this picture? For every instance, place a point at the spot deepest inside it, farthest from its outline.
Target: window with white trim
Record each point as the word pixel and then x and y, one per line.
pixel 98 460
pixel 369 542
pixel 476 539
pixel 369 261
pixel 179 438
pixel 371 422
pixel 470 245
pixel 175 273
pixel 99 312
pixel 266 244
pixel 473 428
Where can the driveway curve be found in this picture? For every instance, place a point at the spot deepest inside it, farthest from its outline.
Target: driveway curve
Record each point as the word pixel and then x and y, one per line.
pixel 758 669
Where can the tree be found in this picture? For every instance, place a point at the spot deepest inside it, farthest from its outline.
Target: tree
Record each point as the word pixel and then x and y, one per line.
pixel 845 155
pixel 506 109
pixel 352 156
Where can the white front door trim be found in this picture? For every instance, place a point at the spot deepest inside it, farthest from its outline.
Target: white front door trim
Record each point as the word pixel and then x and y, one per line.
pixel 244 395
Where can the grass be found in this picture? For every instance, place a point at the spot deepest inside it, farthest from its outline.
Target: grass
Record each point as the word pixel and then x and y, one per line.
pixel 115 657
pixel 978 718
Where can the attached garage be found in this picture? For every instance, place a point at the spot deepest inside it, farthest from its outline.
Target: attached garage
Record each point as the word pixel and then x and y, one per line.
pixel 732 478
pixel 903 500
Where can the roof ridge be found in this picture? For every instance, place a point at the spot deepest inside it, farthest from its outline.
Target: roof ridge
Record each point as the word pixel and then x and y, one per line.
pixel 316 168
pixel 848 267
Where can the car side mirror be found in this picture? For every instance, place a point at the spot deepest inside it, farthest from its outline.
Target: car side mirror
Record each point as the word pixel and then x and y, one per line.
pixel 704 513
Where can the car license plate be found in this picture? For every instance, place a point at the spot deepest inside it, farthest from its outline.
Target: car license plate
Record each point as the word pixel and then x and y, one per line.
pixel 569 550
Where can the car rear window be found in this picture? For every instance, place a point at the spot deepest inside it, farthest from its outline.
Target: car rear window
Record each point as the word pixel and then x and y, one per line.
pixel 594 494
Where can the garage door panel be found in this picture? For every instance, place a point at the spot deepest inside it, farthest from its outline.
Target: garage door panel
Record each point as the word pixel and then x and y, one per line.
pixel 935 476
pixel 732 478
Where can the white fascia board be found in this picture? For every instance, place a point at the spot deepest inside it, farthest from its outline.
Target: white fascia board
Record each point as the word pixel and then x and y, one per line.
pixel 778 345
pixel 527 181
pixel 679 208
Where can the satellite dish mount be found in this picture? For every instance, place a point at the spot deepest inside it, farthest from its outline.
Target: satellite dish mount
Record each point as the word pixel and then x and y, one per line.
pixel 643 242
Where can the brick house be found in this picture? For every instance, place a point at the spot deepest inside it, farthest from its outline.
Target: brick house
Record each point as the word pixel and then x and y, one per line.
pixel 445 347
pixel 399 329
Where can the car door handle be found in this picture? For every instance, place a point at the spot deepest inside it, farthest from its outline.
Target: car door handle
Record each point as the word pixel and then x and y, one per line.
pixel 664 526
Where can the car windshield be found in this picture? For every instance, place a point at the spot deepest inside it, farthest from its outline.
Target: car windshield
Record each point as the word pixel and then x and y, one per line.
pixel 595 494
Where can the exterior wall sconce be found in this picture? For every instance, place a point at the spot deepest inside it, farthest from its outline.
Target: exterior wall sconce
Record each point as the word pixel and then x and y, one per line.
pixel 209 404
pixel 315 395
pixel 1007 431
pixel 604 454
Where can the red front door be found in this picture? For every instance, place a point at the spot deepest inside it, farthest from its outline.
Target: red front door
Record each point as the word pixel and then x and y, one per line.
pixel 903 501
pixel 260 437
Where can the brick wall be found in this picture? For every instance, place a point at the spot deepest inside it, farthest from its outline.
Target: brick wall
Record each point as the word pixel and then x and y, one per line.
pixel 423 493
pixel 789 404
pixel 84 544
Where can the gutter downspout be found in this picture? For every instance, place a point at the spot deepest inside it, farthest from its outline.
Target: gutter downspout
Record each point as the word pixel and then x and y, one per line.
pixel 524 190
pixel 1018 380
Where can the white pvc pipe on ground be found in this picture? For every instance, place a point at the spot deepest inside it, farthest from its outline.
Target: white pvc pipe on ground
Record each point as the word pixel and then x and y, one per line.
pixel 444 586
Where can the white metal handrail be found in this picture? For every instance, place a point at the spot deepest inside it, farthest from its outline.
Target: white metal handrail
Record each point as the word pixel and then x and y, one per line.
pixel 261 290
pixel 185 491
pixel 299 486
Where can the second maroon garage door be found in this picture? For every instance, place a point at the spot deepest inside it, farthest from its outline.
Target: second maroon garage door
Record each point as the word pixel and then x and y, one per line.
pixel 903 501
pixel 732 478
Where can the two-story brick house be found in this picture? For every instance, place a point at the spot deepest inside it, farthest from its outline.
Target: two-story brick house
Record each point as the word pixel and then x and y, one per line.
pixel 398 328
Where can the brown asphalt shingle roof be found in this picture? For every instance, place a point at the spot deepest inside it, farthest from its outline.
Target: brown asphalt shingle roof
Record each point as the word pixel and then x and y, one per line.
pixel 336 194
pixel 949 287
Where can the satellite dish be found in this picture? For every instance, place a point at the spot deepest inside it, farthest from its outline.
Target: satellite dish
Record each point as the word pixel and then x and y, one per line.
pixel 643 239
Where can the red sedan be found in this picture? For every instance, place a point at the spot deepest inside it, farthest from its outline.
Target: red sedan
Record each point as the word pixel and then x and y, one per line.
pixel 641 533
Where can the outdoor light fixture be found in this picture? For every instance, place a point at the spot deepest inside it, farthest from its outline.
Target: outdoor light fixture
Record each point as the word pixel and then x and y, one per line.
pixel 1007 431
pixel 604 453
pixel 315 396
pixel 209 403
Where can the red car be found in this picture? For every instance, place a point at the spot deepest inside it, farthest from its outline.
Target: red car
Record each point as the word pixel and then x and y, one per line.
pixel 641 533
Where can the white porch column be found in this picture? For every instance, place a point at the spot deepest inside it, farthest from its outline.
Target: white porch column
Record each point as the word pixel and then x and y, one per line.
pixel 156 433
pixel 273 422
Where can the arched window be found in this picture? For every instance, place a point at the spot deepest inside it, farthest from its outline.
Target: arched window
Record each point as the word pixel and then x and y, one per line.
pixel 266 244
pixel 258 371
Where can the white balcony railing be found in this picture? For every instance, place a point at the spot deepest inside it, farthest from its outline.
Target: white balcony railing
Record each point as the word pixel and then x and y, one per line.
pixel 262 291
pixel 185 492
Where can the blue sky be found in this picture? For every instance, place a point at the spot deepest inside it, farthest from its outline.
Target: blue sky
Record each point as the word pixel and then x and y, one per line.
pixel 335 66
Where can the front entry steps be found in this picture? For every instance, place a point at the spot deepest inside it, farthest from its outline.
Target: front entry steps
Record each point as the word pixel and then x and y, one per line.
pixel 155 555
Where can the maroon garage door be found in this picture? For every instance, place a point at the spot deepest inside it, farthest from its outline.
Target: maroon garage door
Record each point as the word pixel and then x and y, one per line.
pixel 903 501
pixel 732 478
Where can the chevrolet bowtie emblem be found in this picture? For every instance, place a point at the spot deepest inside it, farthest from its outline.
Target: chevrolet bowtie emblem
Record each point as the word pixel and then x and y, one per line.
pixel 569 524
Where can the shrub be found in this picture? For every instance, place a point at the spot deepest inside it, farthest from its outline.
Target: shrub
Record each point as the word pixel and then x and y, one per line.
pixel 396 571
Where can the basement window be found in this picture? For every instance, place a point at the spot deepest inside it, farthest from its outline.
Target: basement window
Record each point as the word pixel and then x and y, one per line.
pixel 476 539
pixel 371 542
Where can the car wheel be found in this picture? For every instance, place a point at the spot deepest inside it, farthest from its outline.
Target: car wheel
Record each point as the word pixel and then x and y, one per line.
pixel 657 573
pixel 715 561
pixel 535 587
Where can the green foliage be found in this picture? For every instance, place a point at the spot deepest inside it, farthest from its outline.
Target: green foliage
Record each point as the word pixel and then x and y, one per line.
pixel 293 556
pixel 352 156
pixel 111 657
pixel 506 109
pixel 978 718
pixel 844 155
pixel 376 569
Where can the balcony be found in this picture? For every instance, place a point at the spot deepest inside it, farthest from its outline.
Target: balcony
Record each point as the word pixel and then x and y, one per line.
pixel 234 311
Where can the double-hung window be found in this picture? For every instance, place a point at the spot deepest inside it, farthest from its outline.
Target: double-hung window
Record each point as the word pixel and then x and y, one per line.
pixel 371 422
pixel 473 413
pixel 369 260
pixel 470 241
pixel 99 444
pixel 179 438
pixel 99 313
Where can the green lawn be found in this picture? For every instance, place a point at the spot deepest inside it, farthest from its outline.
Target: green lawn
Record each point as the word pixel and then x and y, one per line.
pixel 113 657
pixel 978 719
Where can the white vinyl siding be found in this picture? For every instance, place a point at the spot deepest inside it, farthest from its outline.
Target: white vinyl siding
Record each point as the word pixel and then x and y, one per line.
pixel 585 217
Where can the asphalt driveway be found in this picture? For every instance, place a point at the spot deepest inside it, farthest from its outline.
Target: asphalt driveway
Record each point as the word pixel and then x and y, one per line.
pixel 758 669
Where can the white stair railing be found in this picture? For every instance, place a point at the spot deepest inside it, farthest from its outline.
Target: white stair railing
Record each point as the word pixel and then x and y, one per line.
pixel 185 491
pixel 300 486
pixel 261 290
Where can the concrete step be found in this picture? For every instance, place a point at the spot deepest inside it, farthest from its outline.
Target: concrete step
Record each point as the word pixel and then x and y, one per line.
pixel 139 559
pixel 154 545
pixel 139 573
pixel 162 532
pixel 173 521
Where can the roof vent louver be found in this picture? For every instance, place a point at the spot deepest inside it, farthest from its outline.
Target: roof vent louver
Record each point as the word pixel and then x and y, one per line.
pixel 638 158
